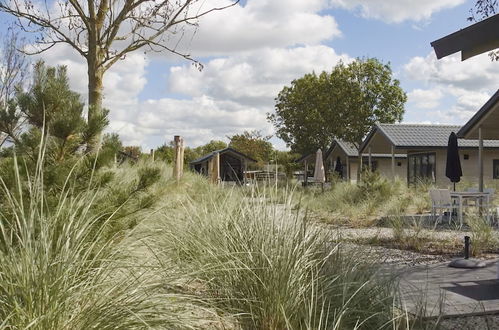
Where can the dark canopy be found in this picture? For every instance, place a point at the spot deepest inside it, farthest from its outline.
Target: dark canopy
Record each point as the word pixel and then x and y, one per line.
pixel 453 167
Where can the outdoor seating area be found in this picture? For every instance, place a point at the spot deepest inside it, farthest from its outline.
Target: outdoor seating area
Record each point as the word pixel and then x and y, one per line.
pixel 449 203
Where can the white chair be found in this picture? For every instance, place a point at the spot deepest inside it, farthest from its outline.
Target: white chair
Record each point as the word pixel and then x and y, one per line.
pixel 441 200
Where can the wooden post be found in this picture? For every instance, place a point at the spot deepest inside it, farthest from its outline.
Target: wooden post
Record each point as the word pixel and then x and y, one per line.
pixel 305 178
pixel 210 169
pixel 215 175
pixel 181 157
pixel 348 169
pixel 480 159
pixel 393 162
pixel 152 155
pixel 359 170
pixel 245 169
pixel 178 157
pixel 370 160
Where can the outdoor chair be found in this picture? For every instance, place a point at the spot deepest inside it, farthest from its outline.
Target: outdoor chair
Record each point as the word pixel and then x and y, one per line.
pixel 441 200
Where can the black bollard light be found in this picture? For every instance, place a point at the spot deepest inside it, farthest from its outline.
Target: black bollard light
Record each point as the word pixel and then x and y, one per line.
pixel 466 247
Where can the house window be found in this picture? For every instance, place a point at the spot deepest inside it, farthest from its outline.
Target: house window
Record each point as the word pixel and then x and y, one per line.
pixel 495 171
pixel 421 167
pixel 365 164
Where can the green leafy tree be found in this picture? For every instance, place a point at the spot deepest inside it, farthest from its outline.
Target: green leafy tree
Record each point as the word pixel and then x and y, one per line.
pixel 165 152
pixel 344 104
pixel 286 160
pixel 253 144
pixel 211 146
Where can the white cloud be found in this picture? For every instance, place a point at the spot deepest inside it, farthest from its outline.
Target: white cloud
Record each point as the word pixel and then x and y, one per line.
pixel 466 85
pixel 477 73
pixel 229 96
pixel 261 24
pixel 426 99
pixel 253 78
pixel 396 11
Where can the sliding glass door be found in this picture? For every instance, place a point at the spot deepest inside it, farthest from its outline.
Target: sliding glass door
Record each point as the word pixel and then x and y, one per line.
pixel 421 167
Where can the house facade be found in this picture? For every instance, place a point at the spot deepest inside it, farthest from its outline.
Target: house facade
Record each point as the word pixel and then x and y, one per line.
pixel 426 150
pixel 348 155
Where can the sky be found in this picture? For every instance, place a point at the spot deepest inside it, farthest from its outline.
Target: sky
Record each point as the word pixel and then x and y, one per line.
pixel 252 50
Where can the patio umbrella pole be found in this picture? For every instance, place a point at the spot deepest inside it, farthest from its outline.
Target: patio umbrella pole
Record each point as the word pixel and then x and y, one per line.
pixel 466 262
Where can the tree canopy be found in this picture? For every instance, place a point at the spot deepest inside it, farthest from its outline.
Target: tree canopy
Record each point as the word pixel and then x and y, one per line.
pixel 344 103
pixel 252 144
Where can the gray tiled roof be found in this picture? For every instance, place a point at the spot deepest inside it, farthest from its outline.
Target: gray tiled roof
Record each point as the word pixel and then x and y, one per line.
pixel 220 151
pixel 420 135
pixel 352 151
pixel 348 147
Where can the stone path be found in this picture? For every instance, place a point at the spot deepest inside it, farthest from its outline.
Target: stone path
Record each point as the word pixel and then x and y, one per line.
pixel 438 290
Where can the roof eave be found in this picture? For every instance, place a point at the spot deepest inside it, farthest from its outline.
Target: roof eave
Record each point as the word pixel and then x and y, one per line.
pixel 478 116
pixel 472 40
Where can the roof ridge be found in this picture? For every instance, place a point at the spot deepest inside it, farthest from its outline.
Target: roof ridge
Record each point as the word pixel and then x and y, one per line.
pixel 415 124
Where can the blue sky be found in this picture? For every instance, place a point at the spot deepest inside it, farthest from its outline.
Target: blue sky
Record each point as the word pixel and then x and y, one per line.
pixel 254 49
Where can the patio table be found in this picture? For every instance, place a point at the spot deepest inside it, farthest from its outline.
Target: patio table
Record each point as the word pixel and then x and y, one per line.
pixel 462 195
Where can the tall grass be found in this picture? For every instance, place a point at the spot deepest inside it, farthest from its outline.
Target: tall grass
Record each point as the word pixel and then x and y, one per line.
pixel 61 269
pixel 372 199
pixel 267 267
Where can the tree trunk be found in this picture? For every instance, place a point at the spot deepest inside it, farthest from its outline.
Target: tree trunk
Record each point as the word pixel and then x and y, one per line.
pixel 95 92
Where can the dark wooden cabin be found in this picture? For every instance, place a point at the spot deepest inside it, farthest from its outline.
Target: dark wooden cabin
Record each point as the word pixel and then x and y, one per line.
pixel 233 164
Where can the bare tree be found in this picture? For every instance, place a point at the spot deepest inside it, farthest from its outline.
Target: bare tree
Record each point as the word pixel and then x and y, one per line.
pixel 13 65
pixel 13 70
pixel 105 31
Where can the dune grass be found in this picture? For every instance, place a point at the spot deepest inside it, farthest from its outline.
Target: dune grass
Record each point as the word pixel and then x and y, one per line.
pixel 266 266
pixel 66 265
pixel 143 251
pixel 365 203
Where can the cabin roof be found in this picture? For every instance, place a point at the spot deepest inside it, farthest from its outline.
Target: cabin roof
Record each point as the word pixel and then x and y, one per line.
pixel 221 151
pixel 414 136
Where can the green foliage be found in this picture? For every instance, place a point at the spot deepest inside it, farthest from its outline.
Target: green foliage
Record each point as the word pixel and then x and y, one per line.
pixel 342 104
pixel 62 268
pixel 367 202
pixel 287 160
pixel 252 144
pixel 263 264
pixel 165 152
pixel 483 236
pixel 50 112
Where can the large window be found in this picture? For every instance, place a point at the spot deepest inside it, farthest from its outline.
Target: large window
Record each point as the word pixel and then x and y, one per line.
pixel 421 167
